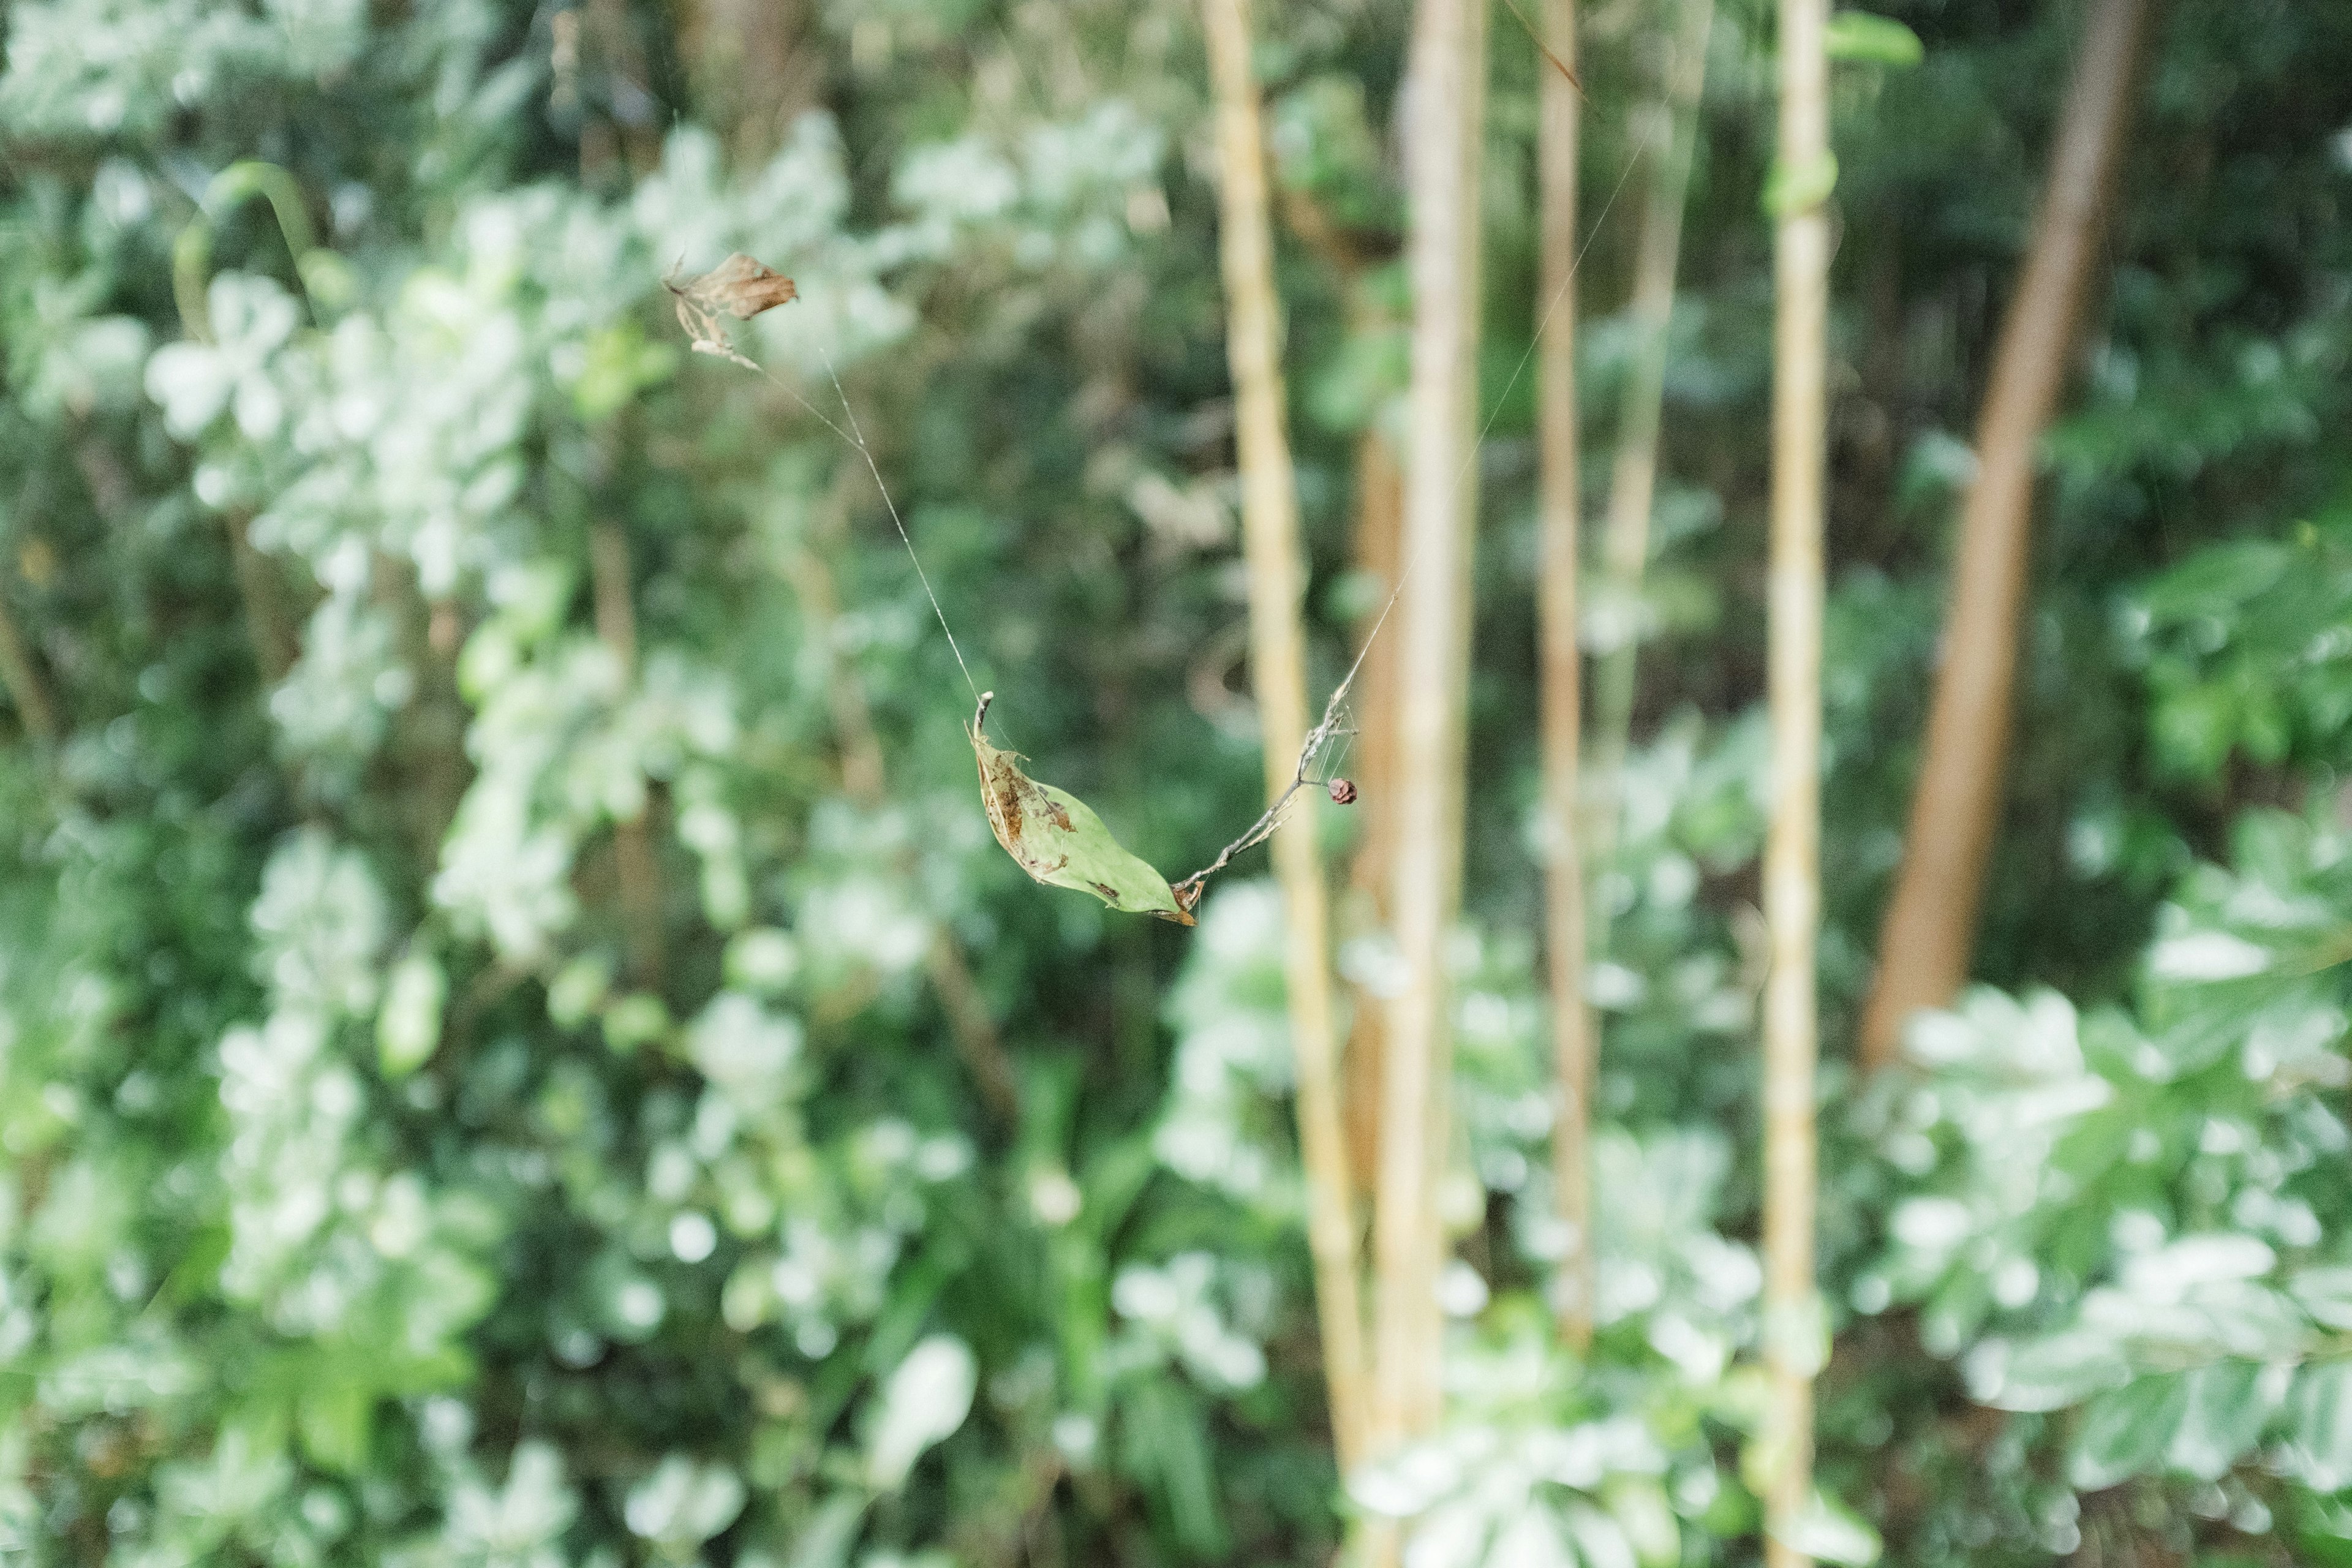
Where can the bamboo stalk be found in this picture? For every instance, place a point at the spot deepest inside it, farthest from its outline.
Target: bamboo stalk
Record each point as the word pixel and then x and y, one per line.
pixel 1378 529
pixel 1443 151
pixel 1793 1325
pixel 1633 476
pixel 1930 927
pixel 1559 499
pixel 1278 583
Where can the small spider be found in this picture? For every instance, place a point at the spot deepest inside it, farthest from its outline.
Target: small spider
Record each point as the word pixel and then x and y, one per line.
pixel 1343 792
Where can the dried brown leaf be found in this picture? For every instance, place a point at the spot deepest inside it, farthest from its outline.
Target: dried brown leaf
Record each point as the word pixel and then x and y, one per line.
pixel 738 286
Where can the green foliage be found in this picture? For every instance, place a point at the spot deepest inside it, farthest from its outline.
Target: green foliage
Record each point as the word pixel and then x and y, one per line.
pixel 2123 1215
pixel 478 1080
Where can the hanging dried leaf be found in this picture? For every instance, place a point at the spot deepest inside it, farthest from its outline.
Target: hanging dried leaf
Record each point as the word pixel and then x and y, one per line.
pixel 738 286
pixel 1059 840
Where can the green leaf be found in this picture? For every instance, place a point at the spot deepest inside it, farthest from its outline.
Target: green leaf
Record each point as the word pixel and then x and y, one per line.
pixel 1530 1541
pixel 1875 40
pixel 2229 1404
pixel 635 1020
pixel 2320 1427
pixel 1166 1447
pixel 2325 1294
pixel 825 1541
pixel 923 1402
pixel 409 1028
pixel 334 1420
pixel 1601 1540
pixel 1058 839
pixel 1792 189
pixel 2051 1373
pixel 2124 1433
pixel 1829 1531
pixel 1641 1507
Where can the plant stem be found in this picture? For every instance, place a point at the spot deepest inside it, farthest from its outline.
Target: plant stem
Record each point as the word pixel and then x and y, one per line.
pixel 1633 476
pixel 35 712
pixel 1379 521
pixel 1792 848
pixel 1278 674
pixel 274 645
pixel 636 866
pixel 1930 928
pixel 1558 488
pixel 1444 148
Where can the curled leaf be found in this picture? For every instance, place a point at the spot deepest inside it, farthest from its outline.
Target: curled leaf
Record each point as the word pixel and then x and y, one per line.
pixel 738 286
pixel 1057 838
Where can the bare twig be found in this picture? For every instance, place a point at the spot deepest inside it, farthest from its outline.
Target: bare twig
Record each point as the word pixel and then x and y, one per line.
pixel 1278 675
pixel 1794 1318
pixel 1330 728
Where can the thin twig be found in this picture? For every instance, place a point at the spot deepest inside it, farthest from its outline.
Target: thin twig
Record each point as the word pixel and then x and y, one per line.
pixel 1310 750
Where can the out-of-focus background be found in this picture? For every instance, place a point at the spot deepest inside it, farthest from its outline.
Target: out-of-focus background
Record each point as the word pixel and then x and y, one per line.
pixel 516 1043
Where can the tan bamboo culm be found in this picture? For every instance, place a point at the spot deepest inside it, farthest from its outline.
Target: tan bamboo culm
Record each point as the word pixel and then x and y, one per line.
pixel 1432 626
pixel 1559 491
pixel 1278 674
pixel 1793 1325
pixel 1633 474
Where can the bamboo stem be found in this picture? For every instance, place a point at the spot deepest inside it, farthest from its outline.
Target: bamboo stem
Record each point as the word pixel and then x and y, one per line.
pixel 1633 476
pixel 1561 507
pixel 1793 1324
pixel 1443 149
pixel 1278 674
pixel 1379 521
pixel 1930 928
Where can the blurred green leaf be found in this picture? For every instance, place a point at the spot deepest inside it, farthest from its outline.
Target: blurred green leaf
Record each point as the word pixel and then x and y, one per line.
pixel 1860 35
